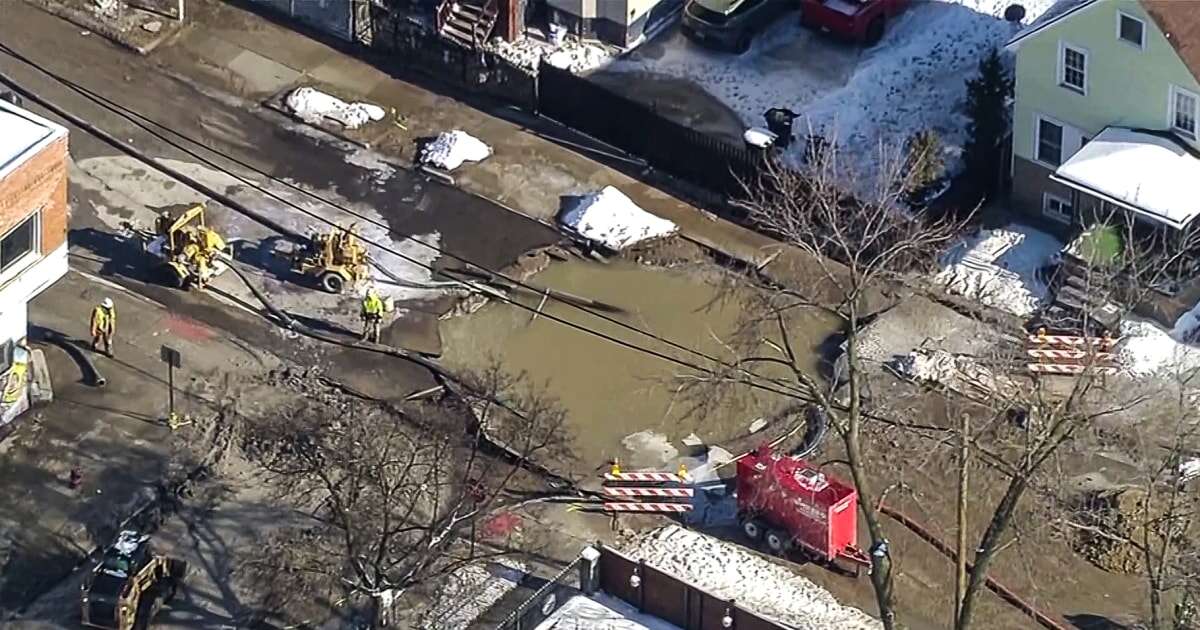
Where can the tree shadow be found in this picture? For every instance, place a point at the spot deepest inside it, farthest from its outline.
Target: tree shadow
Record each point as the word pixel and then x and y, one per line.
pixel 1086 621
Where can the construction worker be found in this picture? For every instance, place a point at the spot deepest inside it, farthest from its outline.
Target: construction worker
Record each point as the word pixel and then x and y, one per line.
pixel 104 324
pixel 372 315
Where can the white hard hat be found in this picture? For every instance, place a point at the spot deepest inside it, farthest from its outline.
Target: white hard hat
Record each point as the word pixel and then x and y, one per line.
pixel 107 303
pixel 371 292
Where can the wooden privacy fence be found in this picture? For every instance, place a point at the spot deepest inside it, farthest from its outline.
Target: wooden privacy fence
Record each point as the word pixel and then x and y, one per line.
pixel 634 127
pixel 667 597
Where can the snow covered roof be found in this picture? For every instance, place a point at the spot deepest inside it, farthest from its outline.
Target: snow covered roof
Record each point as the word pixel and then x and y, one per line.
pixel 22 134
pixel 1150 173
pixel 1058 11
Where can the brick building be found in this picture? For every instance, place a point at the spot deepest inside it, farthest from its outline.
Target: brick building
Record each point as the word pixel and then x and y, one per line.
pixel 33 236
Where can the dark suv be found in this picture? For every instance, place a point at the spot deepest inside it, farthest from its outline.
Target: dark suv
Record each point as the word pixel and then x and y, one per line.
pixel 730 24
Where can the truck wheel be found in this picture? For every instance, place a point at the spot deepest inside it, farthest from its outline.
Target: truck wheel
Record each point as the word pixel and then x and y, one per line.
pixel 333 282
pixel 777 542
pixel 874 31
pixel 172 277
pixel 753 529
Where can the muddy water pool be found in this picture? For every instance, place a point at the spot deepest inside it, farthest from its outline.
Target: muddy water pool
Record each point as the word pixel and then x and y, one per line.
pixel 621 402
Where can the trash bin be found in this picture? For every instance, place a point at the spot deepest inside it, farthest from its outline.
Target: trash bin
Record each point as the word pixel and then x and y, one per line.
pixel 759 140
pixel 779 121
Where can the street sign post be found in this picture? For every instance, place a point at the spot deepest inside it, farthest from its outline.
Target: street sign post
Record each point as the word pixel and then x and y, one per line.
pixel 173 359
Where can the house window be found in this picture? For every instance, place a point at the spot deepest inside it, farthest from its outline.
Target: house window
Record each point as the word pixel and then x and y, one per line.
pixel 1057 208
pixel 1072 68
pixel 1049 142
pixel 1131 29
pixel 18 243
pixel 1183 111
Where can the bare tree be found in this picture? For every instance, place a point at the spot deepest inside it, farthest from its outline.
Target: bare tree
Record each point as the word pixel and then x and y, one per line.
pixel 847 251
pixel 392 498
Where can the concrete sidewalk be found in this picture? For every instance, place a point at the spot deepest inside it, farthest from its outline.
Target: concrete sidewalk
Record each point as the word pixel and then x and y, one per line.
pixel 240 52
pixel 114 434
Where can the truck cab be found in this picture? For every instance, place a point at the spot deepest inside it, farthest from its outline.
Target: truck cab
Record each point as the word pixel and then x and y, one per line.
pixel 861 21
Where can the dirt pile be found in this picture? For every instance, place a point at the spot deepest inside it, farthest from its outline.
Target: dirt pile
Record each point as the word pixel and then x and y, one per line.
pixel 1118 524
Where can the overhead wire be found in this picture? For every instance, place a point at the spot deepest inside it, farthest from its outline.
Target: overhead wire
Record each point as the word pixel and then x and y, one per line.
pixel 129 114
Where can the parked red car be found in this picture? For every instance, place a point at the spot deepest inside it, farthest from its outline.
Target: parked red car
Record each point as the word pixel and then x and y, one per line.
pixel 859 20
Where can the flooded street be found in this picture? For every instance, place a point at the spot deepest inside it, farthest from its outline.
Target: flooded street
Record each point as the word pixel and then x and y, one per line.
pixel 622 402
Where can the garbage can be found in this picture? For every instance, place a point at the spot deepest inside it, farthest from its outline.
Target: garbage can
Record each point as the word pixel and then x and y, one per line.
pixel 759 140
pixel 779 121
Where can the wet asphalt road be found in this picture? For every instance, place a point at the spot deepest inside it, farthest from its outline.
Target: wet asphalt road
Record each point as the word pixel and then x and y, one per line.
pixel 470 227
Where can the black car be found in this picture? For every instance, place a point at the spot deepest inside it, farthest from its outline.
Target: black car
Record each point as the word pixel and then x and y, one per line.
pixel 730 24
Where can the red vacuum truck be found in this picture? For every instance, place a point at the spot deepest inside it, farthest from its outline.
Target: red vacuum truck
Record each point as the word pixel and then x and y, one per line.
pixel 792 506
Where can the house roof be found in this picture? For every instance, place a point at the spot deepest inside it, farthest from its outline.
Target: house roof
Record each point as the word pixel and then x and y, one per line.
pixel 1151 173
pixel 1057 12
pixel 1180 23
pixel 22 134
pixel 1179 20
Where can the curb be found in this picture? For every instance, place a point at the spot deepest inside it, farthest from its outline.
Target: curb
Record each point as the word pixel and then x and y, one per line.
pixel 122 39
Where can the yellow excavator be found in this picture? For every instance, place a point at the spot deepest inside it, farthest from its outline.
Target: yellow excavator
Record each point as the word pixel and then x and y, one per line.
pixel 191 253
pixel 335 260
pixel 129 585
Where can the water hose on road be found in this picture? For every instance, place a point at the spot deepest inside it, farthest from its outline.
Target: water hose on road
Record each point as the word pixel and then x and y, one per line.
pixel 1005 593
pixel 91 374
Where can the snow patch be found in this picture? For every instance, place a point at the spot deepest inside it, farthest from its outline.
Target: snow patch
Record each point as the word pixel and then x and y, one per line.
pixel 648 446
pixel 468 592
pixel 729 571
pixel 312 106
pixel 999 268
pixel 601 612
pixel 572 55
pixel 614 221
pixel 450 149
pixel 912 81
pixel 1146 349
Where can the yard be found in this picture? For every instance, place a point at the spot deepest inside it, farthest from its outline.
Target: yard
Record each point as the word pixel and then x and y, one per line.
pixel 859 97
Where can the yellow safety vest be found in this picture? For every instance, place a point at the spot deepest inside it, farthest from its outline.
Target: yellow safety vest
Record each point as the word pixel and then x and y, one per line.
pixel 372 305
pixel 104 320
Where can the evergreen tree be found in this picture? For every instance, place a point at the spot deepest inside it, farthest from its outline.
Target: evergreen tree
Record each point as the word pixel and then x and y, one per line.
pixel 988 97
pixel 923 163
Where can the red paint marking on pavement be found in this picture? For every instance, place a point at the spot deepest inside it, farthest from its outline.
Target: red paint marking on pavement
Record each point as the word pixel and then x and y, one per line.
pixel 187 328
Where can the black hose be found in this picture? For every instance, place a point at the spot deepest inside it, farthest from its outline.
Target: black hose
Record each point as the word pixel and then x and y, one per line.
pixel 91 374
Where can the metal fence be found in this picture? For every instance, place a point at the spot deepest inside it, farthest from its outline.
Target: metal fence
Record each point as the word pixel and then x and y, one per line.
pixel 634 127
pixel 547 599
pixel 672 599
pixel 417 48
pixel 335 17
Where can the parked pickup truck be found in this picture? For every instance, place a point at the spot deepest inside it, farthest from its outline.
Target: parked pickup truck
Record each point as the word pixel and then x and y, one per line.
pixel 858 20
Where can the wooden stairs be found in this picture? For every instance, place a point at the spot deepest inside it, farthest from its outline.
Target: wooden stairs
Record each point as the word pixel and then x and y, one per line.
pixel 468 23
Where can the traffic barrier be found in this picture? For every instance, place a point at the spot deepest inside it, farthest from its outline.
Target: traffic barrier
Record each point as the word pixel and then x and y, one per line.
pixel 647 492
pixel 1041 353
pixel 1058 368
pixel 655 477
pixel 636 506
pixel 1071 340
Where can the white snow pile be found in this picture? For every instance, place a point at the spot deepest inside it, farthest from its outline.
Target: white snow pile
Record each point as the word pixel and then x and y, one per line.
pixel 312 106
pixel 450 149
pixel 611 219
pixel 1146 349
pixel 601 612
pixel 729 571
pixel 999 268
pixel 912 81
pixel 959 373
pixel 573 55
pixel 468 592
